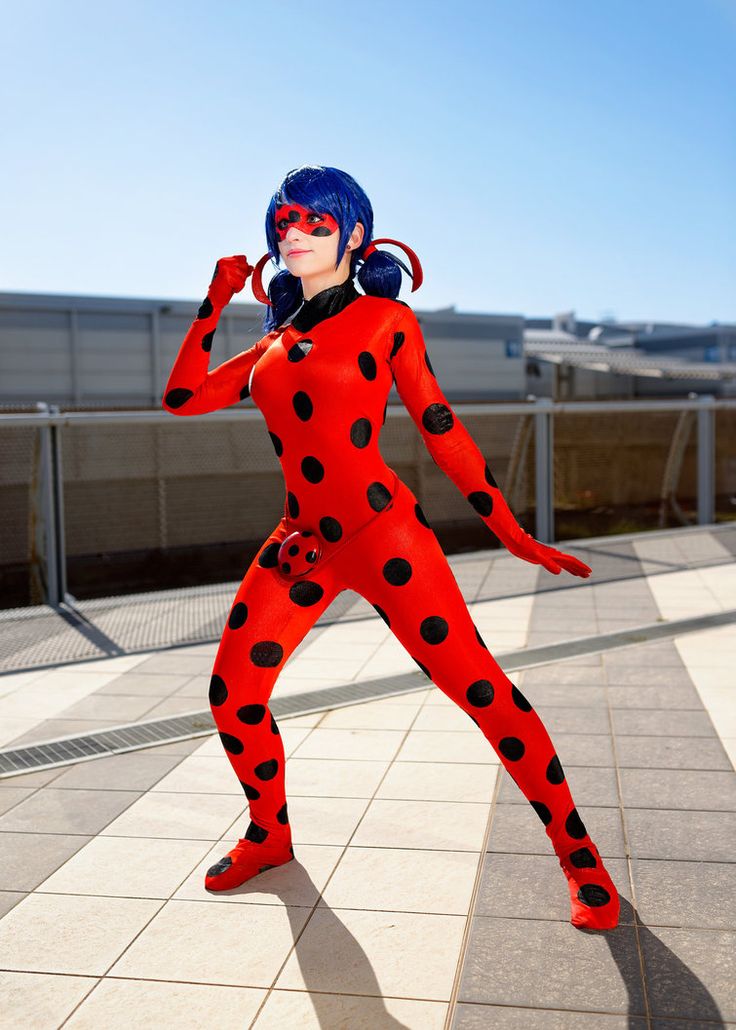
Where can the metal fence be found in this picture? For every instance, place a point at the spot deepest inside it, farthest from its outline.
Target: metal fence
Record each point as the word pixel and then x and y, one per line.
pixel 102 503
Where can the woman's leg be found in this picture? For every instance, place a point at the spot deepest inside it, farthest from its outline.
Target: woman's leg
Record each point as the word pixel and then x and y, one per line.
pixel 269 617
pixel 401 569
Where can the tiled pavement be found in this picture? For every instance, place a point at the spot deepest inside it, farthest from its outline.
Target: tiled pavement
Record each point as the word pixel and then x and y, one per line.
pixel 424 892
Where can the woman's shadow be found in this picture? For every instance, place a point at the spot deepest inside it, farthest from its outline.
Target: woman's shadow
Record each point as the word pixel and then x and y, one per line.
pixel 338 975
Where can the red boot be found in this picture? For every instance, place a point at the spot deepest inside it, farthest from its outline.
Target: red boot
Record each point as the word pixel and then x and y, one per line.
pixel 259 850
pixel 593 897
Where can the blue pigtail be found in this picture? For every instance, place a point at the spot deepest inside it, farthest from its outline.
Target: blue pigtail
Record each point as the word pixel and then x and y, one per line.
pixel 333 191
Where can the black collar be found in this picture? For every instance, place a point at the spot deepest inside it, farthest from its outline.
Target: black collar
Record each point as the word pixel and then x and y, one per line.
pixel 324 305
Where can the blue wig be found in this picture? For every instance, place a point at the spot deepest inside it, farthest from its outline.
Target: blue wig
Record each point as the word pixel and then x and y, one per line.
pixel 329 190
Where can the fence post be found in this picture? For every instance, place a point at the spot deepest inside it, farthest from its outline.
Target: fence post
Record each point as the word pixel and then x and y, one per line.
pixel 543 470
pixel 706 459
pixel 57 508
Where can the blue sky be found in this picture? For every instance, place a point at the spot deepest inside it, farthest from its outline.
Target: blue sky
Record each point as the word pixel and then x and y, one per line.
pixel 539 156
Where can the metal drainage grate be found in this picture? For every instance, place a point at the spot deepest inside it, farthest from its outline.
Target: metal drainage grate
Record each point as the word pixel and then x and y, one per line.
pixel 134 736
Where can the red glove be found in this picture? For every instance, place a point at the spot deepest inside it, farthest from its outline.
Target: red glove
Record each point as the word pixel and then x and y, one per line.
pixel 229 277
pixel 554 561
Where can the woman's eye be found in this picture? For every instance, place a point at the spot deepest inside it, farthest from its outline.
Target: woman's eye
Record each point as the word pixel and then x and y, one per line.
pixel 282 223
pixel 313 214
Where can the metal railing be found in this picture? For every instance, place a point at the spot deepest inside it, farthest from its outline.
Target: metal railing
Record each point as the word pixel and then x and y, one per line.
pixel 92 483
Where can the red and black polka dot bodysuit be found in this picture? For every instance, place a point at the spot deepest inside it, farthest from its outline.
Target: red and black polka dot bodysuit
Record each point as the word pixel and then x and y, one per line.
pixel 322 384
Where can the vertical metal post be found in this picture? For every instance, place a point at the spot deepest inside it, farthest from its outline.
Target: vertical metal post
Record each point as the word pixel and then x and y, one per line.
pixel 544 470
pixel 42 526
pixel 57 489
pixel 706 459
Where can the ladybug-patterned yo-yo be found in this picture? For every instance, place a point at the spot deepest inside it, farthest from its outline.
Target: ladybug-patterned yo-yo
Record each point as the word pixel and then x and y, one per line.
pixel 299 553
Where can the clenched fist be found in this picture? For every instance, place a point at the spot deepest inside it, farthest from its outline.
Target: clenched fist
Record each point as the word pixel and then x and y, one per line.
pixel 229 277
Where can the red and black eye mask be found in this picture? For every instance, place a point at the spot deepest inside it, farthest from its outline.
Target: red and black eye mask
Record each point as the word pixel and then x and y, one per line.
pixel 308 221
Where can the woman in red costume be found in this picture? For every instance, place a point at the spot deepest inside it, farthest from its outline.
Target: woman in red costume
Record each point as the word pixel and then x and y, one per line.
pixel 321 377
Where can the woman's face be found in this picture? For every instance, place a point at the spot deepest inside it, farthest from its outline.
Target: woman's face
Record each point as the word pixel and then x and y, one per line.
pixel 308 240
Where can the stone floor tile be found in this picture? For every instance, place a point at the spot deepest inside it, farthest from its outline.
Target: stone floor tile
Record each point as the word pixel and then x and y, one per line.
pixel 534 887
pixel 693 894
pixel 200 942
pixel 656 696
pixel 439 781
pixel 40 1001
pixel 182 816
pixel 117 1004
pixel 659 752
pixel 534 962
pixel 678 789
pixel 681 835
pixel 438 825
pixel 318 1011
pixel 662 722
pixel 50 810
pixel 503 1017
pixel 64 933
pixel 131 770
pixel 27 859
pixel 690 973
pixel 402 880
pixel 9 899
pixel 126 867
pixel 396 954
pixel 586 720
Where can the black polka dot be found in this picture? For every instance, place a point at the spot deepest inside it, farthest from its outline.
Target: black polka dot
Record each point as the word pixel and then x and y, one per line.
pixel 583 858
pixel 480 693
pixel 251 714
pixel 205 308
pixel 277 444
pixel 398 341
pixel 282 816
pixel 420 516
pixel 294 549
pixel 220 866
pixel 207 340
pixel 593 895
pixel 302 405
pixel 218 691
pixel 176 398
pixel 330 528
pixel 312 469
pixel 269 556
pixel 480 639
pixel 267 770
pixel 274 727
pixel 238 615
pixel 437 419
pixel 574 825
pixel 250 792
pixel 231 744
pixel 397 571
pixel 292 503
pixel 360 432
pixel 266 653
pixel 299 350
pixel 378 496
pixel 489 477
pixel 542 811
pixel 254 833
pixel 305 593
pixel 367 364
pixel 511 748
pixel 424 668
pixel 286 567
pixel 433 629
pixel 383 615
pixel 519 700
pixel 555 773
pixel 481 501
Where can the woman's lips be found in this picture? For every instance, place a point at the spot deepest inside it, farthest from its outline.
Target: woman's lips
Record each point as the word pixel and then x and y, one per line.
pixel 296 253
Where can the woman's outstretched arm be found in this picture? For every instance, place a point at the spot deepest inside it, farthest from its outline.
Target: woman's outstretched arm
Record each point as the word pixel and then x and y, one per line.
pixel 453 449
pixel 191 388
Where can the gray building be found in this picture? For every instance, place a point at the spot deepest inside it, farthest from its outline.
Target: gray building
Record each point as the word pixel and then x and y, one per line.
pixel 97 352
